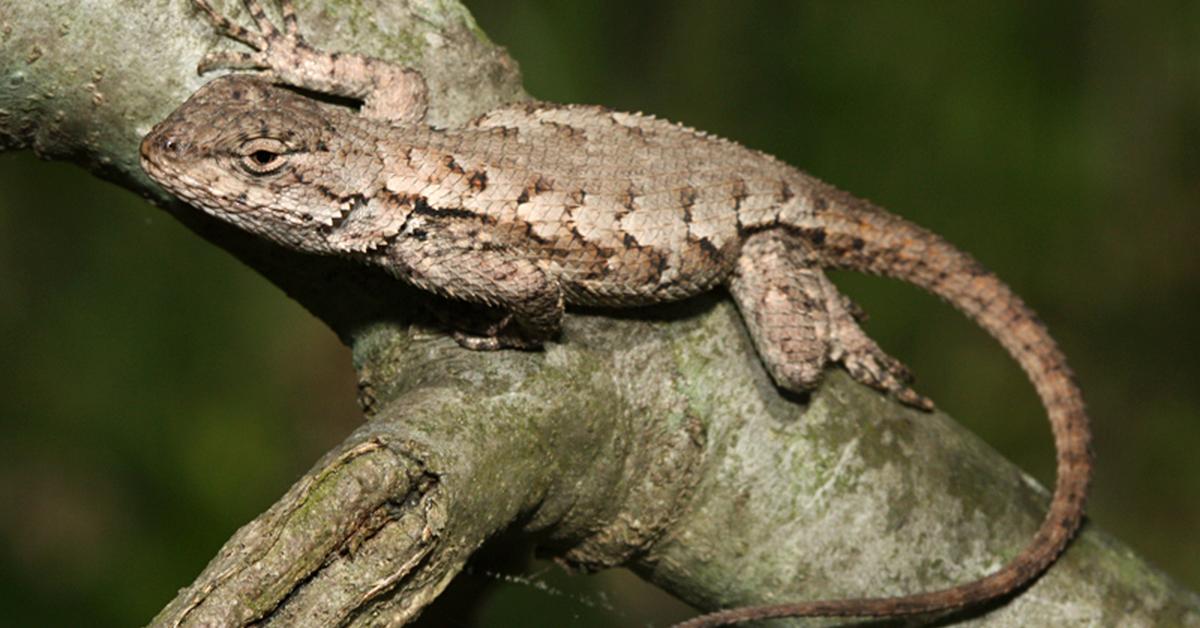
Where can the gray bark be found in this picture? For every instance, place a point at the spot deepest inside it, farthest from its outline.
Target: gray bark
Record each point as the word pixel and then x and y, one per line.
pixel 652 439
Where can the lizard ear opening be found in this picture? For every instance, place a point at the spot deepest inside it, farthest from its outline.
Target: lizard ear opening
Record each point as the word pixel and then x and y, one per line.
pixel 263 156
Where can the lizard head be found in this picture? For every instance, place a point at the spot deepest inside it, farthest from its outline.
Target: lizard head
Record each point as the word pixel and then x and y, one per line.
pixel 264 158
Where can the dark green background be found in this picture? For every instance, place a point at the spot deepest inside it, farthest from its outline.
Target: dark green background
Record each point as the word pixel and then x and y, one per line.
pixel 155 394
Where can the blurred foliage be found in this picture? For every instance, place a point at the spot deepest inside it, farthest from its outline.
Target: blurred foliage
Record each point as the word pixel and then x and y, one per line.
pixel 156 394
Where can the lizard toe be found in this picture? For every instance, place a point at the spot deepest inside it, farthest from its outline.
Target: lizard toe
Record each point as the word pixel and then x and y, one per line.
pixel 231 60
pixel 871 366
pixel 494 343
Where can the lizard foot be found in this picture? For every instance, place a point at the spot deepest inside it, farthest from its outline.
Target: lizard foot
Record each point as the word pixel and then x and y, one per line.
pixel 271 47
pixel 800 321
pixel 868 364
pixel 387 91
pixel 501 335
pixel 493 343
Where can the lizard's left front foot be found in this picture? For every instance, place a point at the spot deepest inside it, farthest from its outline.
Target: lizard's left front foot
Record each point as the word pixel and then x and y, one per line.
pixel 387 91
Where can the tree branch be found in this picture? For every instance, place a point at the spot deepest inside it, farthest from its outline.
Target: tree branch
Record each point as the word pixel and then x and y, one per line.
pixel 650 439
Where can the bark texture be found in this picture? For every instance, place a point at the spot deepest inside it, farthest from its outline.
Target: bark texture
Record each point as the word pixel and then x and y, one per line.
pixel 651 439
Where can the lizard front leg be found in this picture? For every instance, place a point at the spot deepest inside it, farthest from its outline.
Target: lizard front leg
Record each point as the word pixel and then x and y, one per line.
pixel 461 260
pixel 388 91
pixel 799 321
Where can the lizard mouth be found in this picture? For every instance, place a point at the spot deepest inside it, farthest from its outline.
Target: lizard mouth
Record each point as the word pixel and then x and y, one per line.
pixel 160 154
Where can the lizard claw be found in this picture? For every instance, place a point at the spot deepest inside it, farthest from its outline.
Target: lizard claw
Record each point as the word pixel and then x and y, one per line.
pixel 289 18
pixel 231 60
pixel 493 343
pixel 229 28
pixel 265 26
pixel 500 335
pixel 271 47
pixel 869 365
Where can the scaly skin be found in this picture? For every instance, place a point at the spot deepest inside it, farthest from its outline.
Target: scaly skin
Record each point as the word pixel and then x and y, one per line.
pixel 534 206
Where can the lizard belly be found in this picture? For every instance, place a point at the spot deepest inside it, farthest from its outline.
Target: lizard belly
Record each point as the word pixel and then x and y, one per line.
pixel 632 276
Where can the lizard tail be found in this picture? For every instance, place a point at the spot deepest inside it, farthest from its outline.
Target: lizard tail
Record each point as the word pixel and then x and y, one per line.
pixel 851 234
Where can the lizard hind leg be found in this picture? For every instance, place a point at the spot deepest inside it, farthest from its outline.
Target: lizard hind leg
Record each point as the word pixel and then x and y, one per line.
pixel 799 321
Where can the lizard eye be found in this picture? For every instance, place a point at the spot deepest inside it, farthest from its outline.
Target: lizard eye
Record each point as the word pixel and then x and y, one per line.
pixel 263 156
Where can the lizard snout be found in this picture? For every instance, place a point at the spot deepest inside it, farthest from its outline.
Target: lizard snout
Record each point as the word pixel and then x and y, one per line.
pixel 160 148
pixel 157 143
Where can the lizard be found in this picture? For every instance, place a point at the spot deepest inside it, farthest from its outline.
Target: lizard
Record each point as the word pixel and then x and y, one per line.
pixel 534 206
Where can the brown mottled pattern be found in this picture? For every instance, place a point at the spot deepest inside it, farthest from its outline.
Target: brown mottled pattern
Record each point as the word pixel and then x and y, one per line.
pixel 538 205
pixel 616 226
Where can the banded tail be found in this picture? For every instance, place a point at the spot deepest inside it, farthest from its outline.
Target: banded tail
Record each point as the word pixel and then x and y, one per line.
pixel 851 234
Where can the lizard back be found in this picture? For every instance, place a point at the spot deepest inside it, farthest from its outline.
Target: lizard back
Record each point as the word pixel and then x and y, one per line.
pixel 621 208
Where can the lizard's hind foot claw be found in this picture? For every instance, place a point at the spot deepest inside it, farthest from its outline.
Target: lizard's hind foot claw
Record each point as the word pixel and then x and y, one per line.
pixel 868 364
